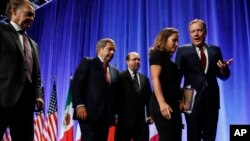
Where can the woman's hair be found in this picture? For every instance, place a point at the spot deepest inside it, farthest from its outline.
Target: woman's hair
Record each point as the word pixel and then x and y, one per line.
pixel 161 39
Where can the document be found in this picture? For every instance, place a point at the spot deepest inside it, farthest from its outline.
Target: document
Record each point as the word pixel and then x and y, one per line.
pixel 188 98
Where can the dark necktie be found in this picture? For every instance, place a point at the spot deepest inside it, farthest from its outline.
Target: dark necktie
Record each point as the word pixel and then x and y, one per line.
pixel 203 59
pixel 106 73
pixel 27 54
pixel 136 83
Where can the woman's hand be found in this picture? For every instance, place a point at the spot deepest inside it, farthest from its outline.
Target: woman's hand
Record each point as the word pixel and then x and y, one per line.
pixel 166 110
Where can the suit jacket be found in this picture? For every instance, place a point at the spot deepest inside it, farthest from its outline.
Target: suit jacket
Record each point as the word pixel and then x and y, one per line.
pixel 131 105
pixel 188 60
pixel 13 68
pixel 90 89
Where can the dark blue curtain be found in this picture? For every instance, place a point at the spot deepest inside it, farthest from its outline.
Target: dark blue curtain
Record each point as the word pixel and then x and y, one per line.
pixel 68 30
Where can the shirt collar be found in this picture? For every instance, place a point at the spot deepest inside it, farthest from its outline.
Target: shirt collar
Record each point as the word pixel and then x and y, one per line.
pixel 100 58
pixel 198 49
pixel 131 72
pixel 17 27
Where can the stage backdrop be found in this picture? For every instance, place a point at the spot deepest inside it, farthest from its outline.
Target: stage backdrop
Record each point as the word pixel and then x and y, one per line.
pixel 67 30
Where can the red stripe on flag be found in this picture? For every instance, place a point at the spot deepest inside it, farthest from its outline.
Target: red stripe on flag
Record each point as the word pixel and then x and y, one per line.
pixel 69 134
pixel 38 126
pixel 67 127
pixel 154 138
pixel 6 136
pixel 50 132
pixel 51 128
pixel 111 133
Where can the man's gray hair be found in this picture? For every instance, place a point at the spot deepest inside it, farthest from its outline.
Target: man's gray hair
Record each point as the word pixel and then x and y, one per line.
pixel 102 43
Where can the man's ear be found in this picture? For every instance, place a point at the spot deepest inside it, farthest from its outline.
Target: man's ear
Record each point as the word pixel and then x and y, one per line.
pixel 98 49
pixel 14 11
pixel 127 61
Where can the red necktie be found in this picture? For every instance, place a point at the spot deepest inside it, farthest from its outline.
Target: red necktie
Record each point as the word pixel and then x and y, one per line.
pixel 27 54
pixel 203 59
pixel 106 72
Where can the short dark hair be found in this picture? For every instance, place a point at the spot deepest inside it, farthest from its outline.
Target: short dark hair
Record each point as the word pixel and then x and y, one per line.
pixel 127 57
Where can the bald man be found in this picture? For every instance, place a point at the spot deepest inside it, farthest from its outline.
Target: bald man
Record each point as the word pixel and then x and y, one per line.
pixel 133 102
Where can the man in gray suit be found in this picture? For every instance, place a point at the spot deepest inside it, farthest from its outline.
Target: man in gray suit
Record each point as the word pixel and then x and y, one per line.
pixel 20 79
pixel 133 102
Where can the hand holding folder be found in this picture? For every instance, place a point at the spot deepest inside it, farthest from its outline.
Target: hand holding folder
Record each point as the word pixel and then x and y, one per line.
pixel 188 99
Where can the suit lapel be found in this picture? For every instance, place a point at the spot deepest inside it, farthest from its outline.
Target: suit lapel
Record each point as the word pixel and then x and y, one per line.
pixel 196 56
pixel 127 74
pixel 35 54
pixel 141 80
pixel 129 79
pixel 16 39
pixel 33 48
pixel 111 74
pixel 99 65
pixel 209 52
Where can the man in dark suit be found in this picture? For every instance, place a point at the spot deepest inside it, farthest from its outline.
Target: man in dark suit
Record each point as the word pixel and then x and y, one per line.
pixel 201 64
pixel 133 103
pixel 20 79
pixel 94 85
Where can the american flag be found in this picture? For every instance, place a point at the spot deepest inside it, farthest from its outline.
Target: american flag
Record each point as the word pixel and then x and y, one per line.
pixel 38 126
pixel 39 122
pixel 50 130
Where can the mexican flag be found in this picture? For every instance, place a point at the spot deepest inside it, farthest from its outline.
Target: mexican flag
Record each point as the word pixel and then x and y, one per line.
pixel 67 128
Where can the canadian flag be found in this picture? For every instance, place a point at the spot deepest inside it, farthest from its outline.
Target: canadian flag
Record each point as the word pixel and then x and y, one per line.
pixel 78 133
pixel 6 136
pixel 153 134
